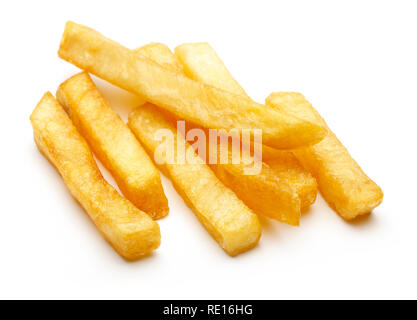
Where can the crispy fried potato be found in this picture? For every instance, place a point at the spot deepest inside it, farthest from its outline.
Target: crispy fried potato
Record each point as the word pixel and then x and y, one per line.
pixel 201 63
pixel 224 216
pixel 114 144
pixel 186 98
pixel 268 193
pixel 289 171
pixel 130 231
pixel 343 184
pixel 165 56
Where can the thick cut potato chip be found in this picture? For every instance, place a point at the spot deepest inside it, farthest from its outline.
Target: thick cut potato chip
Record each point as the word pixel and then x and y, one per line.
pixel 114 144
pixel 278 190
pixel 343 184
pixel 187 99
pixel 130 231
pixel 224 216
pixel 201 63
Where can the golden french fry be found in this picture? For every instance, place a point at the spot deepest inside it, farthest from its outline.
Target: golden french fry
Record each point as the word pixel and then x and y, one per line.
pixel 343 184
pixel 288 171
pixel 201 63
pixel 224 216
pixel 267 193
pixel 165 56
pixel 281 173
pixel 114 144
pixel 186 98
pixel 130 231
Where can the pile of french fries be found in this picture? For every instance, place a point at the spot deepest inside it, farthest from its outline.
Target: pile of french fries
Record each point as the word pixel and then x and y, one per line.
pixel 300 155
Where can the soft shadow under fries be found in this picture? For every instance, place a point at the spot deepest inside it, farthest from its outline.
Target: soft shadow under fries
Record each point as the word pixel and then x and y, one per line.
pixel 362 221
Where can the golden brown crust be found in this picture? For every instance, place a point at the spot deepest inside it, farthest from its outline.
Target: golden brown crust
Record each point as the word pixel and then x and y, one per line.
pixel 224 216
pixel 283 188
pixel 130 231
pixel 114 144
pixel 187 99
pixel 343 184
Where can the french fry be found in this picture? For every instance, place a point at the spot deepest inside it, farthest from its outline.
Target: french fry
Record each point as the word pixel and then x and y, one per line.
pixel 225 217
pixel 272 192
pixel 114 144
pixel 186 98
pixel 281 172
pixel 130 231
pixel 343 184
pixel 289 171
pixel 201 63
pixel 165 56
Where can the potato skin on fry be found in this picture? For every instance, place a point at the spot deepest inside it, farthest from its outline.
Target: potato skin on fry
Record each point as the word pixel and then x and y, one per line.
pixel 225 217
pixel 343 184
pixel 114 144
pixel 130 231
pixel 187 99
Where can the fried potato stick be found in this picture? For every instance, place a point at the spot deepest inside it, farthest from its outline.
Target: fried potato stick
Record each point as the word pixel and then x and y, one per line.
pixel 280 168
pixel 201 63
pixel 187 99
pixel 114 144
pixel 164 54
pixel 272 192
pixel 343 184
pixel 225 217
pixel 130 231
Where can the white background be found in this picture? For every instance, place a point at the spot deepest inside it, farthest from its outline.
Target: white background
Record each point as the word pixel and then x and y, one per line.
pixel 354 60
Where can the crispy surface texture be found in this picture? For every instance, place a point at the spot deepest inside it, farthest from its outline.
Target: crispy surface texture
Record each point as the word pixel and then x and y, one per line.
pixel 114 144
pixel 165 56
pixel 289 171
pixel 271 192
pixel 220 211
pixel 266 193
pixel 130 231
pixel 187 99
pixel 284 187
pixel 343 184
pixel 201 63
